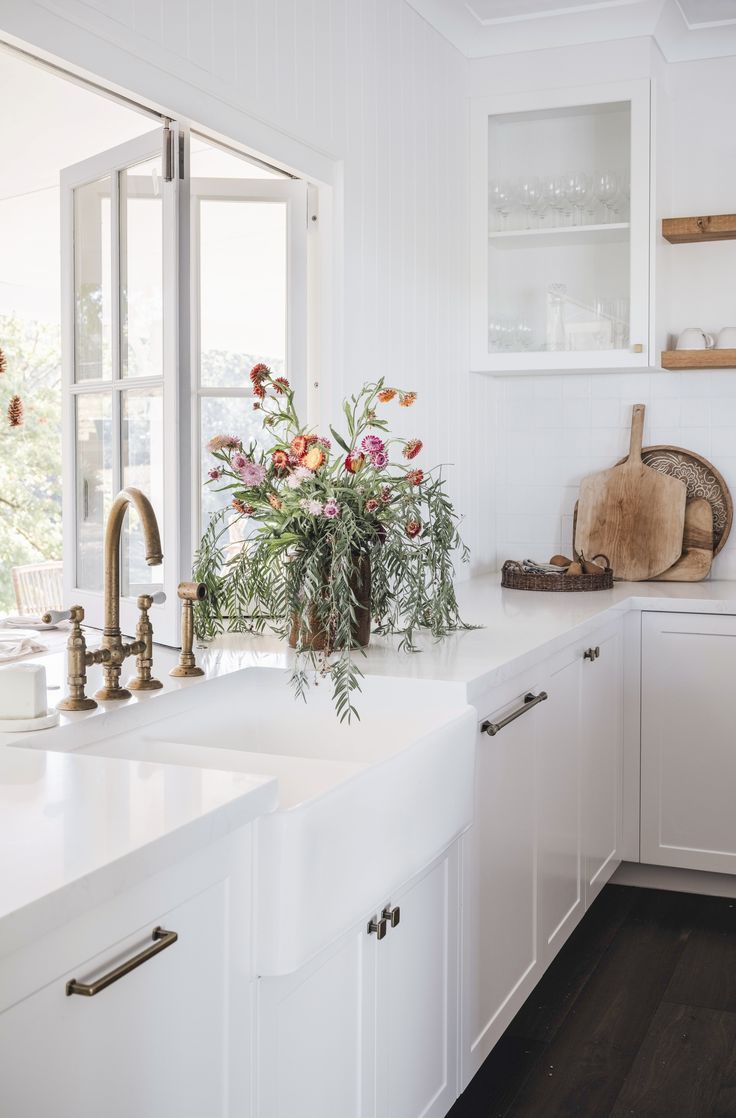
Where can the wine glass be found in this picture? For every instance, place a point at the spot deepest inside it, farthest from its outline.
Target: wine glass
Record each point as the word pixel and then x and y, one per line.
pixel 577 188
pixel 500 194
pixel 528 195
pixel 606 189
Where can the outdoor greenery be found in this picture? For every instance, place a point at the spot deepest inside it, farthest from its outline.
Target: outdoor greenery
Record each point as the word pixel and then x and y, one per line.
pixel 316 509
pixel 30 455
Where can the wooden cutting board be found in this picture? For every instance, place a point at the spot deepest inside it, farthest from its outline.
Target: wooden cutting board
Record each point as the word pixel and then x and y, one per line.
pixel 632 514
pixel 697 545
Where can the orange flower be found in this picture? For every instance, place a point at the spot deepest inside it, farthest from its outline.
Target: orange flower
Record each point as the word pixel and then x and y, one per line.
pixel 386 395
pixel 412 448
pixel 281 384
pixel 259 391
pixel 407 399
pixel 299 445
pixel 258 373
pixel 314 458
pixel 243 509
pixel 274 501
pixel 412 528
pixel 415 477
pixel 280 459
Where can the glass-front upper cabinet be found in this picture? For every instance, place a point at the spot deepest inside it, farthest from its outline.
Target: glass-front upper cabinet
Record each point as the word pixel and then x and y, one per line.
pixel 560 229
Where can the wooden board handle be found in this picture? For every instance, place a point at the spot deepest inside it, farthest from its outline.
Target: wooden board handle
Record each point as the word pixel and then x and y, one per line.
pixel 637 434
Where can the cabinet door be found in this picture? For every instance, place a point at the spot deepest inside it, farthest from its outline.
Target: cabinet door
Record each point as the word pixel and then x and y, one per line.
pixel 316 1051
pixel 154 1042
pixel 417 1004
pixel 561 898
pixel 688 764
pixel 602 746
pixel 499 894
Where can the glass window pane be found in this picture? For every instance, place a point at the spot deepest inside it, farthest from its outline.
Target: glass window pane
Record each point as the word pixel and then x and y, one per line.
pixel 141 270
pixel 142 445
pixel 225 416
pixel 94 484
pixel 243 281
pixel 92 281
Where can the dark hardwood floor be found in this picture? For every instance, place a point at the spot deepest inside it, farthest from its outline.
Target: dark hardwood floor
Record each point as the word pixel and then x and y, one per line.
pixel 636 1018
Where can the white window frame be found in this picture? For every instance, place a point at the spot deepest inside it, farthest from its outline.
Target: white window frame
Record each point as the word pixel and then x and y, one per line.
pixel 294 194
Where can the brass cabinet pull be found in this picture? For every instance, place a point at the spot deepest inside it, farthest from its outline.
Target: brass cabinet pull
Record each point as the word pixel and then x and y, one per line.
pixel 393 915
pixel 161 940
pixel 377 928
pixel 492 728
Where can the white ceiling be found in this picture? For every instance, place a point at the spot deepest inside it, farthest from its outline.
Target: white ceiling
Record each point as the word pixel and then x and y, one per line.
pixel 683 28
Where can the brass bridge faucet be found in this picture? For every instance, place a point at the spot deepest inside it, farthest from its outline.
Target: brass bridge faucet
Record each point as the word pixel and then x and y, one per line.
pixel 113 651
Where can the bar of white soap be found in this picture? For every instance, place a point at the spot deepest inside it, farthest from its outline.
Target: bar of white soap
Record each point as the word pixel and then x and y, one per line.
pixel 23 691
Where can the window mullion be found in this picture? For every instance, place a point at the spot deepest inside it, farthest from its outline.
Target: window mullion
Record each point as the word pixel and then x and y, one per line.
pixel 116 356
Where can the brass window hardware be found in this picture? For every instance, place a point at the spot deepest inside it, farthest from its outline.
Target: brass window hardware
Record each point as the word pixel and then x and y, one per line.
pixel 592 653
pixel 377 927
pixel 393 915
pixel 189 593
pixel 161 940
pixel 530 700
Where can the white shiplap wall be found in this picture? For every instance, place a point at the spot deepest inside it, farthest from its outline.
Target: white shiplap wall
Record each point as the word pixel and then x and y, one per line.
pixel 370 85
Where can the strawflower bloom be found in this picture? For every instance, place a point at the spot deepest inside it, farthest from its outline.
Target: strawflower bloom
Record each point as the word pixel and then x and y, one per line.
pixel 215 473
pixel 314 508
pixel 314 458
pixel 385 495
pixel 280 459
pixel 412 528
pixel 299 445
pixel 222 442
pixel 412 448
pixel 300 474
pixel 372 504
pixel 415 477
pixel 371 444
pixel 386 395
pixel 258 373
pixel 252 474
pixel 324 442
pixel 274 501
pixel 281 384
pixel 408 399
pixel 238 461
pixel 379 460
pixel 242 508
pixel 331 509
pixel 354 462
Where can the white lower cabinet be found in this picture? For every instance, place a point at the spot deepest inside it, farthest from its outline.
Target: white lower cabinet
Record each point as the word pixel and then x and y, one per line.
pixel 369 1027
pixel 688 758
pixel 546 832
pixel 165 1038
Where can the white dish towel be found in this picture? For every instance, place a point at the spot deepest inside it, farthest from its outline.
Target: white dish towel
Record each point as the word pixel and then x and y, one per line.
pixel 13 646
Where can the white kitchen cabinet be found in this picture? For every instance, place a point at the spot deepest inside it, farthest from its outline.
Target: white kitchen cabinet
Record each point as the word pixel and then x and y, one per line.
pixel 601 729
pixel 172 1036
pixel 369 1027
pixel 688 759
pixel 560 229
pixel 546 831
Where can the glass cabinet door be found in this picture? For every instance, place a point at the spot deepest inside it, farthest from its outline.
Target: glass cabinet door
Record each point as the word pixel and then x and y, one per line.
pixel 560 230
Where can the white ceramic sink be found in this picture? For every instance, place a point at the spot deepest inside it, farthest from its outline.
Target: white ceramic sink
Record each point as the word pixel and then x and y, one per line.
pixel 361 807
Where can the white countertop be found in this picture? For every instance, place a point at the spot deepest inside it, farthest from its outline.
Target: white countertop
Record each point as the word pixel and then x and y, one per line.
pixel 73 825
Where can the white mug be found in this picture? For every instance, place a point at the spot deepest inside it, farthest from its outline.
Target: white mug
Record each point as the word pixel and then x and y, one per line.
pixel 727 338
pixel 695 338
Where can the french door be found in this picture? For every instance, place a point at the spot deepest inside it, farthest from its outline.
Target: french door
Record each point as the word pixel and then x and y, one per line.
pixel 166 304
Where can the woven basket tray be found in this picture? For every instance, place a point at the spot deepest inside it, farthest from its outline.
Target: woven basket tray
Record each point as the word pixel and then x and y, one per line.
pixel 514 577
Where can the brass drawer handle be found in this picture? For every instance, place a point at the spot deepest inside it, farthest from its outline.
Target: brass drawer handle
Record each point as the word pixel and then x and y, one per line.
pixel 492 728
pixel 161 940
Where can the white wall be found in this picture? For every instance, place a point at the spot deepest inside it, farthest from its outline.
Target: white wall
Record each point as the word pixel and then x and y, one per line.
pixel 553 430
pixel 365 94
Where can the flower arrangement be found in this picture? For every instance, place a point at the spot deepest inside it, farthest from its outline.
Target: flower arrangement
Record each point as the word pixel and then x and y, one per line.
pixel 342 530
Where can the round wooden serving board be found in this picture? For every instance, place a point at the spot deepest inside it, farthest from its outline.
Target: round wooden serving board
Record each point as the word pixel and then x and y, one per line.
pixel 701 478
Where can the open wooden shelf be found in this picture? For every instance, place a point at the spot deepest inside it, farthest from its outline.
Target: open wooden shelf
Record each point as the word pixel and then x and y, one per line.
pixel 699 359
pixel 687 230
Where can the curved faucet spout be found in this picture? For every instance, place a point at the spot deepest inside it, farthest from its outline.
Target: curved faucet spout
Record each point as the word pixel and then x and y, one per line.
pixel 113 531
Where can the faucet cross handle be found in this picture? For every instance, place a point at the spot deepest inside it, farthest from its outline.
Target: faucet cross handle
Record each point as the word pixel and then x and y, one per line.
pixel 78 658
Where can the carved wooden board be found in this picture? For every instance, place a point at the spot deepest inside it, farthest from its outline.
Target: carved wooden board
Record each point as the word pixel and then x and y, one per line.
pixel 632 513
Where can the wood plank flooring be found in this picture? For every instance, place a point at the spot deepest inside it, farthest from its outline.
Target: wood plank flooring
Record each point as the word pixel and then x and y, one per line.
pixel 636 1018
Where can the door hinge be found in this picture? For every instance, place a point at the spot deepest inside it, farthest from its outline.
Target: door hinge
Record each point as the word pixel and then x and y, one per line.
pixel 168 153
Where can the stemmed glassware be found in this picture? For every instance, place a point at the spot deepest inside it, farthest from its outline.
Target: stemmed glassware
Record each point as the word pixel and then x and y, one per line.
pixel 577 189
pixel 529 195
pixel 501 197
pixel 606 190
pixel 577 198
